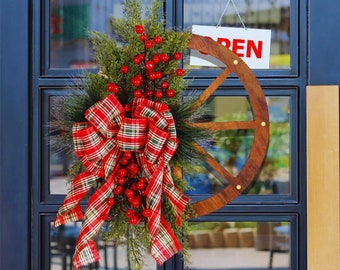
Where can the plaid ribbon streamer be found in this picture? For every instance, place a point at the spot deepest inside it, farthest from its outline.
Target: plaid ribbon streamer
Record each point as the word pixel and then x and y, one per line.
pixel 98 143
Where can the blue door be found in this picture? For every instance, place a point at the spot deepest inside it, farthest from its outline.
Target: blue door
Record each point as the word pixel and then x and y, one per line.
pixel 44 45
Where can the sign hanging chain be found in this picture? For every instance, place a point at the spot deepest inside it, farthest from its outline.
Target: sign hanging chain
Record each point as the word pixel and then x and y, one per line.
pixel 237 12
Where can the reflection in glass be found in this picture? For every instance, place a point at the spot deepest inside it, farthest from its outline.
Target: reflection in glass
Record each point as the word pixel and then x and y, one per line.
pixel 112 256
pixel 70 22
pixel 260 14
pixel 239 245
pixel 60 159
pixel 231 148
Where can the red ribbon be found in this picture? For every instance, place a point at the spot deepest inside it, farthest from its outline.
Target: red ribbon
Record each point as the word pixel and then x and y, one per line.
pixel 151 134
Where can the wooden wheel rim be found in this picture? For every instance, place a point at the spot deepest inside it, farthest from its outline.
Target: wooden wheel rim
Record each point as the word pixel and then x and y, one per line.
pixel 260 124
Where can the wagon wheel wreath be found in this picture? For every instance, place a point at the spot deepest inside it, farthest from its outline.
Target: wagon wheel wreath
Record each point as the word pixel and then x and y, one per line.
pixel 131 133
pixel 260 124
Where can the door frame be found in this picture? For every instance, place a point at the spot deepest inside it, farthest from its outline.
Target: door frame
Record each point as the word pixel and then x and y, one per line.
pixel 14 135
pixel 15 114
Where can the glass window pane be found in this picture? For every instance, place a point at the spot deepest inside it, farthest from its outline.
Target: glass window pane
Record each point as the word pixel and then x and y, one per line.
pixel 231 148
pixel 70 22
pixel 60 159
pixel 112 256
pixel 260 14
pixel 240 245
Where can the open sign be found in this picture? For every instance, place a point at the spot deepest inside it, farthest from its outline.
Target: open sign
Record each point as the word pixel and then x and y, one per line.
pixel 252 45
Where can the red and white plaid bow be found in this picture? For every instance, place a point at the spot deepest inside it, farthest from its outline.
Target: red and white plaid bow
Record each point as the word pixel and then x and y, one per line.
pixel 151 134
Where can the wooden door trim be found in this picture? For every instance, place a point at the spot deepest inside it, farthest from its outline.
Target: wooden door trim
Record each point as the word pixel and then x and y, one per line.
pixel 323 177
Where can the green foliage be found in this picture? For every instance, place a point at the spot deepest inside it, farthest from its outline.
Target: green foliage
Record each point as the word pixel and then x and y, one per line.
pixel 136 238
pixel 124 28
pixel 137 242
pixel 186 155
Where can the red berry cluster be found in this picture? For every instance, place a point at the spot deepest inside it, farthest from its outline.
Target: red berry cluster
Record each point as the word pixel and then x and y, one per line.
pixel 152 81
pixel 130 191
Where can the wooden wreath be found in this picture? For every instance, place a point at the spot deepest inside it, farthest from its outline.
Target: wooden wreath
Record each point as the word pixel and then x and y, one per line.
pixel 260 124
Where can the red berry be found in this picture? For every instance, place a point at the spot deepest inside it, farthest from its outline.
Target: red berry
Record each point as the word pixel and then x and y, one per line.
pixel 129 213
pixel 118 190
pixel 180 72
pixel 133 220
pixel 158 94
pixel 139 76
pixel 136 60
pixel 137 93
pixel 140 185
pixel 170 93
pixel 157 39
pixel 147 212
pixel 133 172
pixel 149 93
pixel 127 107
pixel 143 37
pixel 164 57
pixel 143 180
pixel 129 193
pixel 113 88
pixel 122 172
pixel 127 154
pixel 165 85
pixel 139 29
pixel 152 76
pixel 132 166
pixel 148 44
pixel 149 65
pixel 121 181
pixel 159 74
pixel 134 186
pixel 124 161
pixel 110 201
pixel 135 203
pixel 156 59
pixel 177 55
pixel 135 82
pixel 124 69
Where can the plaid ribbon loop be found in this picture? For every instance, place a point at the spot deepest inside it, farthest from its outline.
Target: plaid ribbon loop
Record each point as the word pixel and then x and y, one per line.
pixel 160 148
pixel 98 143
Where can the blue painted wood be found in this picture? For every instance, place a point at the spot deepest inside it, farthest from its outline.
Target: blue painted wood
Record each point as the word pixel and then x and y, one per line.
pixel 324 38
pixel 14 135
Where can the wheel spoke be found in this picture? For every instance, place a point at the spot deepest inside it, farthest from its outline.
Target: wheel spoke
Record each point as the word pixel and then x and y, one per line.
pixel 215 165
pixel 232 125
pixel 211 88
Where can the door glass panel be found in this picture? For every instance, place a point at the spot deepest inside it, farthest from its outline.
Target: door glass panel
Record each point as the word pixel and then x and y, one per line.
pixel 260 14
pixel 239 245
pixel 112 255
pixel 231 147
pixel 70 21
pixel 60 158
